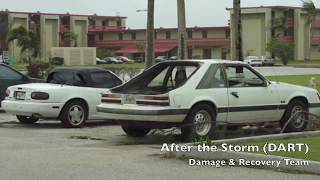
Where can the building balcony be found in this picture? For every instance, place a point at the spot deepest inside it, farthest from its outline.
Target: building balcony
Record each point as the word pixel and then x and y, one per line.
pixel 316 24
pixel 64 43
pixel 315 40
pixel 64 28
pixel 94 28
pixel 288 39
pixel 209 42
pixel 290 22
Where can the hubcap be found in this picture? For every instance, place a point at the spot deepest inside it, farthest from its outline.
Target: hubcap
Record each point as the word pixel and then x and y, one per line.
pixel 76 115
pixel 298 116
pixel 202 121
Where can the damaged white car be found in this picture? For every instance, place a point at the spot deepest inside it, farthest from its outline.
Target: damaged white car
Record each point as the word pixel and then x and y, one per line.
pixel 198 95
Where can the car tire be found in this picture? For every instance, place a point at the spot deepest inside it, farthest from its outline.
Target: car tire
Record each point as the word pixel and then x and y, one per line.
pixel 297 124
pixel 133 131
pixel 200 123
pixel 27 120
pixel 74 114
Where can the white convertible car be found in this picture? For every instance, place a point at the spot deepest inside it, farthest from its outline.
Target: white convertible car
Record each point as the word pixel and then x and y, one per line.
pixel 70 95
pixel 197 95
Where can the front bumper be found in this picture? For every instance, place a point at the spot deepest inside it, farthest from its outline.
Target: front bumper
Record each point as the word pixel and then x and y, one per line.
pixel 21 108
pixel 142 113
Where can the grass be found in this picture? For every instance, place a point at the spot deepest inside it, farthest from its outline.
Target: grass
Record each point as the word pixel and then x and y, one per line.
pixel 312 142
pixel 302 80
pixel 296 63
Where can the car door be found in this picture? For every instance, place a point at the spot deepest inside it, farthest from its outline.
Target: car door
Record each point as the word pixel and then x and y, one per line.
pixel 252 99
pixel 9 77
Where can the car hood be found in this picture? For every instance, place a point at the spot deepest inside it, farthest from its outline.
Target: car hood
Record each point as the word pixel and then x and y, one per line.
pixel 283 85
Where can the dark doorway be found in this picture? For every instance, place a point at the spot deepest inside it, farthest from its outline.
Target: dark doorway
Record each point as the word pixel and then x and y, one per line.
pixel 206 54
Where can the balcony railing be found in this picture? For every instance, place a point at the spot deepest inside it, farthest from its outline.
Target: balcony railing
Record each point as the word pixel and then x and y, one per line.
pixel 290 22
pixel 64 28
pixel 288 39
pixel 191 42
pixel 315 40
pixel 95 28
pixel 64 43
pixel 316 24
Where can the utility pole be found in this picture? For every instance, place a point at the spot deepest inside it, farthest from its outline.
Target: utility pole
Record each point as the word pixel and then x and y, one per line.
pixel 237 29
pixel 182 30
pixel 149 51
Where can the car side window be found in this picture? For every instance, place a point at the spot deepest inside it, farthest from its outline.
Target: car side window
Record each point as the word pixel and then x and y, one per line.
pixel 68 78
pixel 214 78
pixel 7 73
pixel 241 76
pixel 104 80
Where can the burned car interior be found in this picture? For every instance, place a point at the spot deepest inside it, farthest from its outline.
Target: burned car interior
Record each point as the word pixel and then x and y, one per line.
pixel 159 79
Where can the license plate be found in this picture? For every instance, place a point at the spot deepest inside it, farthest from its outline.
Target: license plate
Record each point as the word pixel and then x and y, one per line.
pixel 19 95
pixel 129 99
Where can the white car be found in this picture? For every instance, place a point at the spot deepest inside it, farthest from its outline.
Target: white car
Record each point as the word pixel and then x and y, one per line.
pixel 253 60
pixel 70 95
pixel 197 95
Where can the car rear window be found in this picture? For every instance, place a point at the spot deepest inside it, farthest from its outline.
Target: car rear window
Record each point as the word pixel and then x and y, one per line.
pixel 104 80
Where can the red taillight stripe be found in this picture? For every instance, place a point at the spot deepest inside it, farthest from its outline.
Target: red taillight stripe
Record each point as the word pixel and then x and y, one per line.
pixel 153 103
pixel 111 101
pixel 160 98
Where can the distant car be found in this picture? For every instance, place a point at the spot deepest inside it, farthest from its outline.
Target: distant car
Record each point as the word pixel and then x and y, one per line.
pixel 161 58
pixel 253 60
pixel 199 95
pixel 267 61
pixel 125 60
pixel 112 60
pixel 173 58
pixel 10 77
pixel 70 95
pixel 100 61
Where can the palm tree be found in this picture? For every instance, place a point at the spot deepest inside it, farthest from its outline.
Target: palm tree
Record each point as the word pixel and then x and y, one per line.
pixel 73 37
pixel 28 41
pixel 237 28
pixel 311 12
pixel 149 57
pixel 182 32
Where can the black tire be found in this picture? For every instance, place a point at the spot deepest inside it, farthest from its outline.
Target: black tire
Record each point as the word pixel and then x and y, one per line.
pixel 189 130
pixel 70 120
pixel 133 131
pixel 294 125
pixel 27 120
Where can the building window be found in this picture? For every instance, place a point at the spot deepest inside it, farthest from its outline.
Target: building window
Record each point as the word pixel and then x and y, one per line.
pixel 227 33
pixel 105 22
pixel 189 53
pixel 190 34
pixel 119 24
pixel 133 36
pixel 204 34
pixel 101 37
pixel 168 35
pixel 120 35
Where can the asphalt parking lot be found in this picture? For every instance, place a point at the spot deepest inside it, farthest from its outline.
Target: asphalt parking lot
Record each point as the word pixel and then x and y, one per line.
pixel 286 70
pixel 100 151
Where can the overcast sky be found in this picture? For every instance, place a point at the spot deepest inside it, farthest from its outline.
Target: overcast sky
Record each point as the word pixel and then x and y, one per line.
pixel 199 12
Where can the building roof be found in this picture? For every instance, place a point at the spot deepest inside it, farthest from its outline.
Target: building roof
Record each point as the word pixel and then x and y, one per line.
pixel 272 7
pixel 175 29
pixel 63 14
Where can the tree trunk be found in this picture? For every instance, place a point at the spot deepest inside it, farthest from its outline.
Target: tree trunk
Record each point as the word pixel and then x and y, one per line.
pixel 149 56
pixel 237 29
pixel 182 30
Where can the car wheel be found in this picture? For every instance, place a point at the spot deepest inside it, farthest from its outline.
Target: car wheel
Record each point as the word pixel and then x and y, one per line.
pixel 74 114
pixel 299 121
pixel 200 123
pixel 27 120
pixel 132 131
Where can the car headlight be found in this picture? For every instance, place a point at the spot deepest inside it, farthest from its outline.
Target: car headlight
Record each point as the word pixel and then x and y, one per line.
pixel 40 96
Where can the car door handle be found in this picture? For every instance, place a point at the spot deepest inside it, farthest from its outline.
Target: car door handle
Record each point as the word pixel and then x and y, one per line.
pixel 235 94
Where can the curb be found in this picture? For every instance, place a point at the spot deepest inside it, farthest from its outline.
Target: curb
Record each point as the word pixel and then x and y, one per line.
pixel 313 167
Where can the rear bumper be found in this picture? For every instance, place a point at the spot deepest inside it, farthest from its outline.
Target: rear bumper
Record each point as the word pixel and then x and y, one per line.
pixel 46 110
pixel 142 113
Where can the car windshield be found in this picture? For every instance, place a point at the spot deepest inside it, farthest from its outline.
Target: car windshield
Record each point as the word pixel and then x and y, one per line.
pixel 159 79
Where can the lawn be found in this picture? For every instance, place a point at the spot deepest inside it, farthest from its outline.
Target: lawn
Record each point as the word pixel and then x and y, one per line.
pixel 296 63
pixel 302 80
pixel 312 142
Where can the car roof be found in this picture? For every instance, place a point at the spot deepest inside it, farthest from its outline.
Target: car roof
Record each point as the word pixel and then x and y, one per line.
pixel 208 61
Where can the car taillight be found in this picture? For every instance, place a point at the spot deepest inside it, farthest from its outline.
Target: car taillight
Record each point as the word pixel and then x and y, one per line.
pixel 40 96
pixel 161 100
pixel 7 93
pixel 111 98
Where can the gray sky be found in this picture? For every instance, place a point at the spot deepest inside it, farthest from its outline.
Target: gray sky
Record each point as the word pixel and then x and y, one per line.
pixel 199 12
